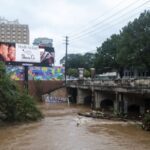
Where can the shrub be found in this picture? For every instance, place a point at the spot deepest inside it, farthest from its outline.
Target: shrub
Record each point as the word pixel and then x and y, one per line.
pixel 14 104
pixel 146 121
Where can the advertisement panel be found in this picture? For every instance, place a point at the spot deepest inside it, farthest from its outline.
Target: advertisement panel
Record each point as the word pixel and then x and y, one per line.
pixel 27 53
pixel 7 52
pixel 47 56
pixel 23 53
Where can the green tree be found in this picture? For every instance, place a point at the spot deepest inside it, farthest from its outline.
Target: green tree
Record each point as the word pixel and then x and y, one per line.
pixel 129 49
pixel 73 61
pixel 106 56
pixel 79 61
pixel 86 73
pixel 72 72
pixel 89 60
pixel 134 38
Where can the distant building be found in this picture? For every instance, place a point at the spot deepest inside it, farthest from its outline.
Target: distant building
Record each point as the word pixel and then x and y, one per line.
pixel 43 42
pixel 13 31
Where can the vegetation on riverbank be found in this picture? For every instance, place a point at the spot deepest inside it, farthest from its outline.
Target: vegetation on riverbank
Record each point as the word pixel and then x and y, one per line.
pixel 146 121
pixel 15 105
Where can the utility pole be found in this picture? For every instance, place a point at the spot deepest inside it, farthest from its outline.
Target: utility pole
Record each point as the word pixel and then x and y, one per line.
pixel 66 43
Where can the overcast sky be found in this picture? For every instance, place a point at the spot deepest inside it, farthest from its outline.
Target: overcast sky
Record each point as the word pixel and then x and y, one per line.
pixel 87 22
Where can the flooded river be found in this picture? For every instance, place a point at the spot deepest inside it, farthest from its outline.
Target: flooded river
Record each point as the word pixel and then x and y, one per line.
pixel 63 129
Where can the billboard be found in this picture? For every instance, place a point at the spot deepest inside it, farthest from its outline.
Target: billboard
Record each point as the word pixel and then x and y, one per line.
pixel 47 55
pixel 7 52
pixel 27 53
pixel 23 53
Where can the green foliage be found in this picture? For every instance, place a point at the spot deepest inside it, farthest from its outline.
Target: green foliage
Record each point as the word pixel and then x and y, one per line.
pixel 15 105
pixel 89 60
pixel 129 49
pixel 72 72
pixel 146 121
pixel 106 56
pixel 134 38
pixel 86 73
pixel 76 61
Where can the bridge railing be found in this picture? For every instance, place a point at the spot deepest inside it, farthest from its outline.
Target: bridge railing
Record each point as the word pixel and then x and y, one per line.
pixel 128 83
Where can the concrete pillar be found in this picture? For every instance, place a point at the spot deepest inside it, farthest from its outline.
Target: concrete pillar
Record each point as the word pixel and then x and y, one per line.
pixel 97 100
pixel 92 73
pixel 116 104
pixel 120 104
pixel 121 100
pixel 125 106
pixel 99 96
pixel 81 71
pixel 93 99
pixel 80 96
pixel 142 109
pixel 135 73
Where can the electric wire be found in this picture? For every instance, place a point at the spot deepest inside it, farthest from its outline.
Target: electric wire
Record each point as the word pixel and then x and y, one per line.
pixel 105 28
pixel 94 20
pixel 107 19
pixel 102 38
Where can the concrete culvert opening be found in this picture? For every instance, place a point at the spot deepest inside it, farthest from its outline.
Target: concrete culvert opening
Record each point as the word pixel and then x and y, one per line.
pixel 147 104
pixel 107 105
pixel 134 110
pixel 73 95
pixel 88 100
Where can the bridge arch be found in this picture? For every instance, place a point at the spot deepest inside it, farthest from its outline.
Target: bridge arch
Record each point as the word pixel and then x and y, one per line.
pixel 147 104
pixel 107 104
pixel 88 100
pixel 134 109
pixel 72 95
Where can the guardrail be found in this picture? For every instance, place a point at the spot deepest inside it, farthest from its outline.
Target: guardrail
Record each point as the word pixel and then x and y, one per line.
pixel 124 83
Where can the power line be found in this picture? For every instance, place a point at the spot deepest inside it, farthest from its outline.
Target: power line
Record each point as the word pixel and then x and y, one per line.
pixel 105 28
pixel 94 20
pixel 103 31
pixel 111 27
pixel 106 19
pixel 116 24
pixel 95 29
pixel 88 32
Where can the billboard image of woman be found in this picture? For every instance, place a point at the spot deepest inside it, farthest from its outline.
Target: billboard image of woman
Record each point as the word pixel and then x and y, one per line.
pixel 7 52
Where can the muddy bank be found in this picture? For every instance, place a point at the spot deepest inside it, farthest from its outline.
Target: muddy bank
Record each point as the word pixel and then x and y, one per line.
pixel 109 116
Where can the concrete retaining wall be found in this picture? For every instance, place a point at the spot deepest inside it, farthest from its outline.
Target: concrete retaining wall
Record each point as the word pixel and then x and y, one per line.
pixel 38 88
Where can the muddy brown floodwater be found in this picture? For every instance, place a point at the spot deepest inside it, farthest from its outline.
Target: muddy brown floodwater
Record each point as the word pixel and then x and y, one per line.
pixel 63 129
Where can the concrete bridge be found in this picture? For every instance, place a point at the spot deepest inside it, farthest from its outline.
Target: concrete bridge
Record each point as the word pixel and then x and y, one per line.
pixel 120 95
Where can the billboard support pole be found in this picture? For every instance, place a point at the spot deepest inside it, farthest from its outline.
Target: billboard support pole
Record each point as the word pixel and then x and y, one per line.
pixel 26 78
